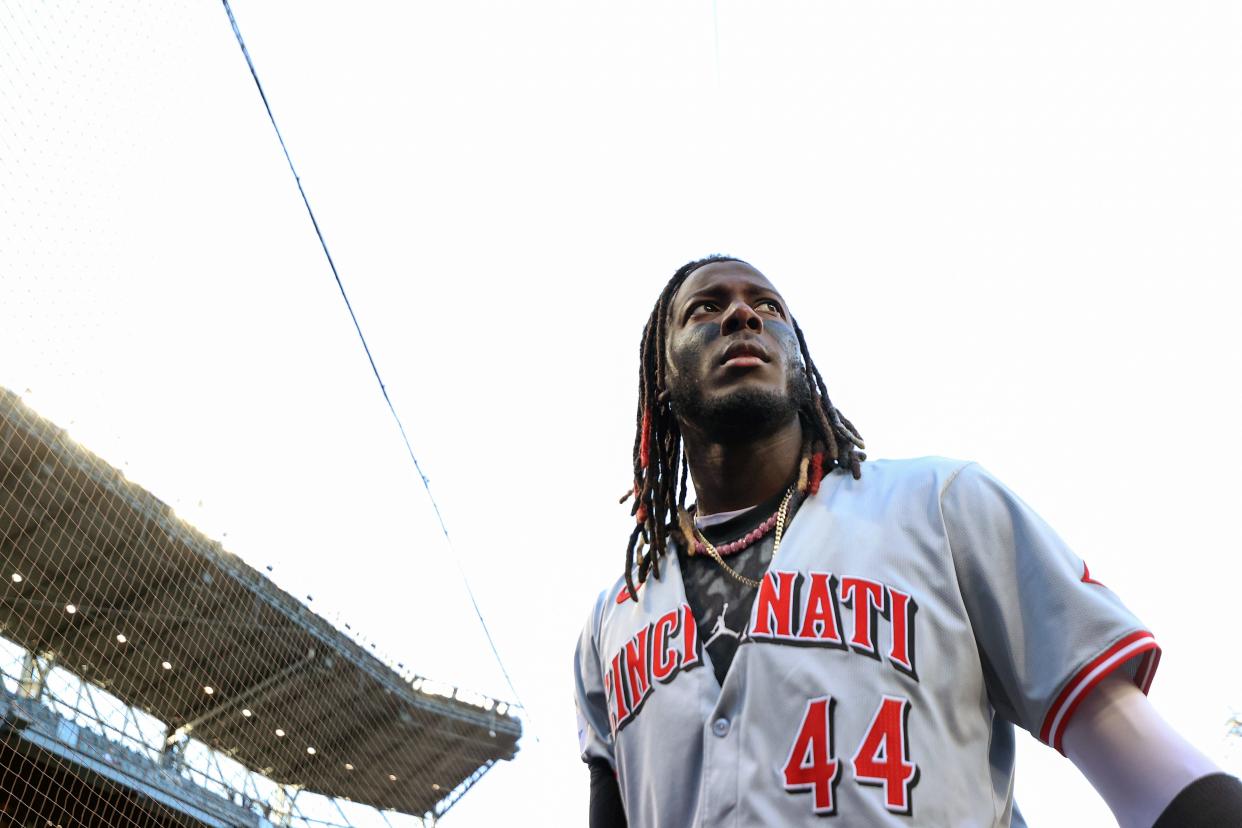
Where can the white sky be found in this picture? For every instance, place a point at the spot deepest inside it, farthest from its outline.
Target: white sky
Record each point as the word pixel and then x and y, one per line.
pixel 1011 234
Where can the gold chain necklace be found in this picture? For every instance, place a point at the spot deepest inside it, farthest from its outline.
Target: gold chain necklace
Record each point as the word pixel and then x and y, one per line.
pixel 776 544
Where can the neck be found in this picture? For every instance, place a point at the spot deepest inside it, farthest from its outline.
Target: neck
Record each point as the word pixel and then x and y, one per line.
pixel 729 476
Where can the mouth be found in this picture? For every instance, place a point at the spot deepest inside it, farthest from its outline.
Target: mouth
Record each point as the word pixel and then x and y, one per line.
pixel 744 355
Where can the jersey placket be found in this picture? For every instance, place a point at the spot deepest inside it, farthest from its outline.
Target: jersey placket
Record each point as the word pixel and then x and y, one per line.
pixel 722 730
pixel 721 757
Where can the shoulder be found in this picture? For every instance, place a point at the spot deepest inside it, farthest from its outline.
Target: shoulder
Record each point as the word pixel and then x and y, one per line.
pixel 589 636
pixel 608 602
pixel 917 468
pixel 914 476
pixel 902 493
pixel 599 607
pixel 953 488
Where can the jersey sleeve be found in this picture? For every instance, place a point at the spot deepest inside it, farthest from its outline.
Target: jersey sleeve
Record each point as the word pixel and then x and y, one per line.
pixel 594 732
pixel 1047 632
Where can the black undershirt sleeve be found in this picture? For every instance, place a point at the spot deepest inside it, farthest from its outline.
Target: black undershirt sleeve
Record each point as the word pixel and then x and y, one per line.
pixel 606 810
pixel 1212 801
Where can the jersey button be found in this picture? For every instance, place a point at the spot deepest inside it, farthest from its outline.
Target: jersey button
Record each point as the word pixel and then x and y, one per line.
pixel 721 727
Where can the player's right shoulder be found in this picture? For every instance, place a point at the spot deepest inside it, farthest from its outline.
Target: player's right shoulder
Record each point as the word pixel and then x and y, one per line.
pixel 610 596
pixel 615 607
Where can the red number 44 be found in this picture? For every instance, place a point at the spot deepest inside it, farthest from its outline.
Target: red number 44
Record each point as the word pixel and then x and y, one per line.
pixel 882 758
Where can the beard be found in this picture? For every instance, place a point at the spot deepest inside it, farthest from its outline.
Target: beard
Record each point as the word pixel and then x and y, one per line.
pixel 744 414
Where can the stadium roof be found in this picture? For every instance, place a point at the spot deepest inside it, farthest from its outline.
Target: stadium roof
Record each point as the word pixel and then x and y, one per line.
pixel 104 577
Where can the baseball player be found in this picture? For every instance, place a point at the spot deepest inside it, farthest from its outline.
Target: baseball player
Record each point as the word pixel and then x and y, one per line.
pixel 814 640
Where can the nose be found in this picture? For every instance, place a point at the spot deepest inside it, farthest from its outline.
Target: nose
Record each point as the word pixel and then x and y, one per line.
pixel 740 316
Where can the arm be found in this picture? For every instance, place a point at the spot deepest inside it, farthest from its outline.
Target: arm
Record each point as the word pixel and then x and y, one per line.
pixel 1028 595
pixel 1141 766
pixel 594 729
pixel 606 808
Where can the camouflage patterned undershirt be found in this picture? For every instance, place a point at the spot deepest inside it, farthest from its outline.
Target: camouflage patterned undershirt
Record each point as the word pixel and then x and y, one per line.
pixel 720 603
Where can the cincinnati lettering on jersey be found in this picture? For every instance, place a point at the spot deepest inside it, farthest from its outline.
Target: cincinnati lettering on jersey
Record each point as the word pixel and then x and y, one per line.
pixel 802 609
pixel 805 609
pixel 653 655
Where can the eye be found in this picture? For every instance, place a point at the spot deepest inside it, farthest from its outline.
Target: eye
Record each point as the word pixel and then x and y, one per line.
pixel 706 306
pixel 771 305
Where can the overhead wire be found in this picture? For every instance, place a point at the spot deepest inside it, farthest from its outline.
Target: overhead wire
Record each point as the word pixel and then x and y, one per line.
pixel 371 360
pixel 716 36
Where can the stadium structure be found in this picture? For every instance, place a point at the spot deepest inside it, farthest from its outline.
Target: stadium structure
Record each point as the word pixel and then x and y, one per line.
pixel 151 678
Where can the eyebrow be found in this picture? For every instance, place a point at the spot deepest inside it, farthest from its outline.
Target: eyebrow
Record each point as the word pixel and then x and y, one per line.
pixel 715 292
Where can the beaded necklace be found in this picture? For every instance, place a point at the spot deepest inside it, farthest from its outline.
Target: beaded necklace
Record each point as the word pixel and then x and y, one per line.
pixel 776 545
pixel 747 540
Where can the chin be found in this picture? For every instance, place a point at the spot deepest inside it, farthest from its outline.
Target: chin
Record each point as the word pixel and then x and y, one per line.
pixel 742 414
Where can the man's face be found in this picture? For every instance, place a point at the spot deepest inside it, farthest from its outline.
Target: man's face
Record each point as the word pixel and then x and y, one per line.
pixel 734 366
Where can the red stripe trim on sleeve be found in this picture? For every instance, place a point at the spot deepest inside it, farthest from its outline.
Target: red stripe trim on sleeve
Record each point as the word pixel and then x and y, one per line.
pixel 1143 670
pixel 1148 669
pixel 1088 677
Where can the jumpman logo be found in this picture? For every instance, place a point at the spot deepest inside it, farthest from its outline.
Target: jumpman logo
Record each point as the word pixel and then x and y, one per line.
pixel 721 627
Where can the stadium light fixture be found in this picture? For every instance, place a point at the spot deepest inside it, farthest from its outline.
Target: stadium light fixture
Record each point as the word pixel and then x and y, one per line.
pixel 349 766
pixel 246 712
pixel 435 786
pixel 70 608
pixel 280 733
pixel 209 690
pixel 17 577
pixel 311 751
pixel 166 665
pixel 392 777
pixel 120 638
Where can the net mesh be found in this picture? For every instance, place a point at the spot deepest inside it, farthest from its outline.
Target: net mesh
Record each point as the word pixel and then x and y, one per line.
pixel 151 677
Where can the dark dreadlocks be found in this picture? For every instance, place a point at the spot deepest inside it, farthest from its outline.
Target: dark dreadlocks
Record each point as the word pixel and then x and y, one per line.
pixel 661 469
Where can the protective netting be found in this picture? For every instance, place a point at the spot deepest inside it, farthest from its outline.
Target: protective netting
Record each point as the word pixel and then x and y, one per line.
pixel 151 677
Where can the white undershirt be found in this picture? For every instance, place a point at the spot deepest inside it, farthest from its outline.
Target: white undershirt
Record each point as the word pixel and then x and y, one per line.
pixel 704 521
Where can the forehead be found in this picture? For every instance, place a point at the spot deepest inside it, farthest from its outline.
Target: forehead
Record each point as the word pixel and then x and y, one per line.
pixel 724 276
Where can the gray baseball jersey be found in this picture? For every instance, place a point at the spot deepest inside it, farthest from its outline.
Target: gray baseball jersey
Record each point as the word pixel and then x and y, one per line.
pixel 908 621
